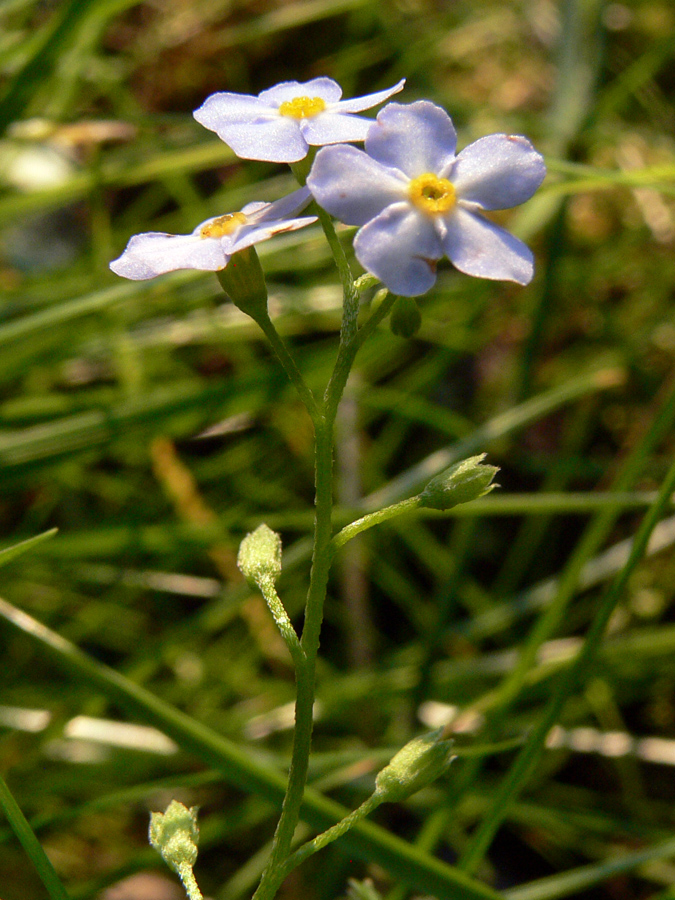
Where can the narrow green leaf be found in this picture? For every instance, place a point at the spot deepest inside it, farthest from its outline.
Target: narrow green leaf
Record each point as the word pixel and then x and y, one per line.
pixel 31 845
pixel 569 883
pixel 10 553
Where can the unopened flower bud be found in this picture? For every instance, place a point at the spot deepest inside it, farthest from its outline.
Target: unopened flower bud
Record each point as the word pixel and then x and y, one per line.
pixel 365 282
pixel 259 556
pixel 465 481
pixel 405 318
pixel 243 281
pixel 175 835
pixel 416 765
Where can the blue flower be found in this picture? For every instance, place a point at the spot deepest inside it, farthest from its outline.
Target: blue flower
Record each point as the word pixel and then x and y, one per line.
pixel 281 123
pixel 212 243
pixel 417 201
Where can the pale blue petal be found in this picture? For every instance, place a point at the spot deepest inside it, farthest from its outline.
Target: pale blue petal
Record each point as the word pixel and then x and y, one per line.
pixel 400 247
pixel 232 109
pixel 155 253
pixel 352 186
pixel 326 88
pixel 286 206
pixel 246 236
pixel 253 210
pixel 498 171
pixel 332 128
pixel 275 140
pixel 416 138
pixel 356 104
pixel 478 247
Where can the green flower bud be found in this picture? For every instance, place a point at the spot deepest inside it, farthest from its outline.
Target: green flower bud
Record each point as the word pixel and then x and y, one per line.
pixel 405 318
pixel 259 556
pixel 466 480
pixel 175 835
pixel 416 765
pixel 243 281
pixel 365 282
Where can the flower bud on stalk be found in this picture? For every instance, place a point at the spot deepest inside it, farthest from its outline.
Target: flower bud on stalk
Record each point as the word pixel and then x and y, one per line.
pixel 465 481
pixel 406 318
pixel 416 765
pixel 175 835
pixel 259 556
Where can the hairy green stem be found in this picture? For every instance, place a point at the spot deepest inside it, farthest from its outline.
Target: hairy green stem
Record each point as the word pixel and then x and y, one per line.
pixel 332 834
pixel 283 622
pixel 288 364
pixel 365 522
pixel 374 319
pixel 190 882
pixel 351 293
pixel 324 426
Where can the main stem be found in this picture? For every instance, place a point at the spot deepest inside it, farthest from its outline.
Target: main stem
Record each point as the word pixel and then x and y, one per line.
pixel 324 429
pixel 273 873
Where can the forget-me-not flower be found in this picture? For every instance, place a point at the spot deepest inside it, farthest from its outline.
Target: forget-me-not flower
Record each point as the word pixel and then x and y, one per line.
pixel 417 201
pixel 281 123
pixel 212 243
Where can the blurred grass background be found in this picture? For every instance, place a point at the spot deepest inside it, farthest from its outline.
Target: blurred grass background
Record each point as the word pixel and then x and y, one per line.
pixel 148 422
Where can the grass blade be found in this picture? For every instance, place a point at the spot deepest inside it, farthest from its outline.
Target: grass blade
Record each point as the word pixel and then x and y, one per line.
pixel 31 844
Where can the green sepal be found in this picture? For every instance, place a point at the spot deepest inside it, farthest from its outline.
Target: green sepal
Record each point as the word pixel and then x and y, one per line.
pixel 243 280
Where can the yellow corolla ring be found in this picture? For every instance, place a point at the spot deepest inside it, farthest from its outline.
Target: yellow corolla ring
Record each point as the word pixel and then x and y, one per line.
pixel 431 194
pixel 302 107
pixel 223 225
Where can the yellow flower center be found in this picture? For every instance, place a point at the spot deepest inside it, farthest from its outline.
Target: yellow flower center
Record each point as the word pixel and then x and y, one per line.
pixel 432 194
pixel 223 225
pixel 302 107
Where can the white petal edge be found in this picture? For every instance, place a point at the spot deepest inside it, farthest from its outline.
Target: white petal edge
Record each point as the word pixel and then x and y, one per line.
pixel 231 109
pixel 285 206
pixel 246 238
pixel 357 104
pixel 480 248
pixel 353 187
pixel 334 128
pixel 274 140
pixel 155 253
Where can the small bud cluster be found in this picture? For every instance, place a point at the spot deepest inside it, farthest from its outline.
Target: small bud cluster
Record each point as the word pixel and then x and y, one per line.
pixel 175 835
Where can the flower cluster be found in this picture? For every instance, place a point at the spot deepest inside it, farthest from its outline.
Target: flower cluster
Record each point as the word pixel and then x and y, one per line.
pixel 414 197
